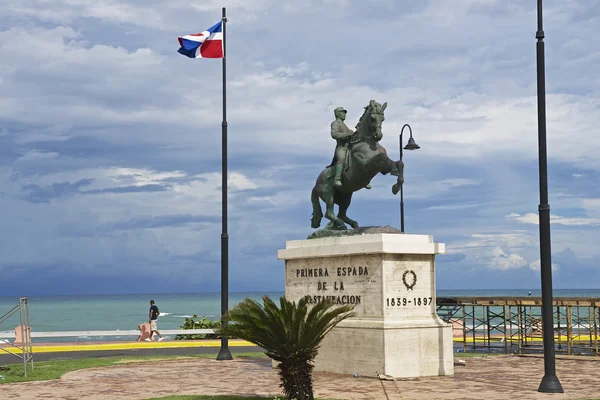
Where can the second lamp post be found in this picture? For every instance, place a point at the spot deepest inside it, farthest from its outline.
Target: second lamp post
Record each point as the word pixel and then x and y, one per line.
pixel 411 145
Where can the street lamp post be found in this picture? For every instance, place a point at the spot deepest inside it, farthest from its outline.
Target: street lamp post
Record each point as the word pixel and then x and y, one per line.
pixel 550 382
pixel 411 145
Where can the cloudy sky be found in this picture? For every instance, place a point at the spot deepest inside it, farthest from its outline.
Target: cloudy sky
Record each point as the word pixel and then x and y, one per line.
pixel 110 141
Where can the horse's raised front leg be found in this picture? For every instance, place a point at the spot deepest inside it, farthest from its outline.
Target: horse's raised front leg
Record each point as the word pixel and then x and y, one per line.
pixel 344 203
pixel 336 223
pixel 396 168
pixel 399 169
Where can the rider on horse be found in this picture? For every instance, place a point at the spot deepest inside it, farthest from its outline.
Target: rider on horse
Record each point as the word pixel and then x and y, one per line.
pixel 368 159
pixel 343 136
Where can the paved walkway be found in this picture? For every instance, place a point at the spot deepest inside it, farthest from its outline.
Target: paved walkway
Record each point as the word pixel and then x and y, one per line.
pixel 500 377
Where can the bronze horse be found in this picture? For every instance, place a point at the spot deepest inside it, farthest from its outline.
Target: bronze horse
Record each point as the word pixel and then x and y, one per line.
pixel 366 158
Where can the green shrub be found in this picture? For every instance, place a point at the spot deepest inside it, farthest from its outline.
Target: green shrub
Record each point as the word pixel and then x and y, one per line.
pixel 290 333
pixel 202 323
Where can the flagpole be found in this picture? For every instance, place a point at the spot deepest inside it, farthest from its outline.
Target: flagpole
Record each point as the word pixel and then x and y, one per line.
pixel 224 353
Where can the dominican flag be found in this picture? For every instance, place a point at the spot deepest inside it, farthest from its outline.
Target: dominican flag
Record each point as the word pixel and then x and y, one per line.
pixel 208 44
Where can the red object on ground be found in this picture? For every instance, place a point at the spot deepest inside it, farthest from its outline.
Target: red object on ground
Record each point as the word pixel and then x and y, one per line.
pixel 144 332
pixel 19 334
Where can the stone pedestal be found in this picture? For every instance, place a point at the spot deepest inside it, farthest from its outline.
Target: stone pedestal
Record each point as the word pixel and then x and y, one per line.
pixel 390 279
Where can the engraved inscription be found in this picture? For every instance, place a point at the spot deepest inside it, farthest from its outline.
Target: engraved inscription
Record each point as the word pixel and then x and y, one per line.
pixel 338 285
pixel 406 301
pixel 345 299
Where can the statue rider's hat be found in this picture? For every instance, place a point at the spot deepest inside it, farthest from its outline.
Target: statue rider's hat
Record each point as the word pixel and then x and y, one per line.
pixel 340 109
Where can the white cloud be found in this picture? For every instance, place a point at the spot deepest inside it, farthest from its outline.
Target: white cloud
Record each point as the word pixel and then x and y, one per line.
pixel 427 189
pixel 73 219
pixel 36 156
pixel 531 218
pixel 299 97
pixel 465 125
pixel 536 265
pixel 497 251
pixel 240 182
pixel 65 11
pixel 502 261
pixel 513 240
pixel 592 206
pixel 139 177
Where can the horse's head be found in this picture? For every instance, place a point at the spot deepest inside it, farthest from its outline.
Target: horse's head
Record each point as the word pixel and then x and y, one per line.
pixel 369 124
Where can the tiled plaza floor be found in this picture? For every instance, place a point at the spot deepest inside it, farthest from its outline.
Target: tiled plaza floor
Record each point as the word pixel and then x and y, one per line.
pixel 501 377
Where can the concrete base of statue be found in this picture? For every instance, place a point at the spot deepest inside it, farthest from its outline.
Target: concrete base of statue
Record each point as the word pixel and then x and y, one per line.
pixel 390 279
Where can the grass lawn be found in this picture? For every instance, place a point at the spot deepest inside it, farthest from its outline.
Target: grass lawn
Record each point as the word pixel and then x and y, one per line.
pixel 45 370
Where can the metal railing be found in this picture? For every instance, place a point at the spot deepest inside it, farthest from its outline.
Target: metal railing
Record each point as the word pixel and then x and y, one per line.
pixel 514 324
pixel 25 332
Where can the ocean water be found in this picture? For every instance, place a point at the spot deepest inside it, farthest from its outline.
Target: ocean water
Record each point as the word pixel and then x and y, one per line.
pixel 112 312
pixel 126 312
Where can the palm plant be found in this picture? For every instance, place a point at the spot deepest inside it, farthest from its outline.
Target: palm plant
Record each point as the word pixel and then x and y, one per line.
pixel 290 334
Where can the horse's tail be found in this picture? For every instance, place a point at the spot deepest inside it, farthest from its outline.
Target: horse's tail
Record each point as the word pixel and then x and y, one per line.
pixel 317 214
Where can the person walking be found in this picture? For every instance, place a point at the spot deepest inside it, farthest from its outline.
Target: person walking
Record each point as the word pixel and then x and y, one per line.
pixel 153 316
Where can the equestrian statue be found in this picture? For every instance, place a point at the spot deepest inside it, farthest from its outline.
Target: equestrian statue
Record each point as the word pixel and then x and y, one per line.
pixel 357 159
